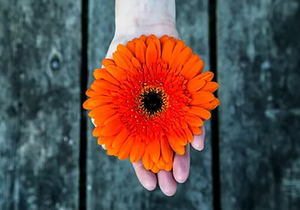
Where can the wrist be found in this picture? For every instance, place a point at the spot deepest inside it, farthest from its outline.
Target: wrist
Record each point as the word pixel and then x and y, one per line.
pixel 145 17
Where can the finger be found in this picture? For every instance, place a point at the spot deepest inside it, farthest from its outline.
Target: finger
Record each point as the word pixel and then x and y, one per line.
pixel 181 166
pixel 198 142
pixel 146 178
pixel 166 182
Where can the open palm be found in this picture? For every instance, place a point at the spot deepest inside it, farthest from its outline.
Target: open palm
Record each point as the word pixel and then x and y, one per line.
pixel 181 165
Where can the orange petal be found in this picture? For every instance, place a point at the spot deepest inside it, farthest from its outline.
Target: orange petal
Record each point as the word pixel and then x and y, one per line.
pixel 103 74
pixel 120 138
pixel 152 38
pixel 97 101
pixel 210 87
pixel 196 68
pixel 122 61
pixel 163 39
pixel 136 63
pixel 154 150
pixel 91 93
pixel 167 50
pixel 174 40
pixel 126 148
pixel 131 47
pixel 109 141
pixel 189 135
pixel 200 112
pixel 116 72
pixel 179 135
pixel 182 139
pixel 108 62
pixel 100 91
pixel 190 64
pixel 125 51
pixel 151 54
pixel 103 84
pixel 99 110
pixel 196 130
pixel 105 139
pixel 207 106
pixel 176 52
pixel 211 105
pixel 183 57
pixel 147 162
pixel 112 128
pixel 193 120
pixel 207 76
pixel 215 103
pixel 112 151
pixel 195 84
pixel 179 149
pixel 112 118
pixel 166 151
pixel 137 151
pixel 97 131
pixel 98 73
pixel 155 169
pixel 169 166
pixel 143 38
pixel 100 119
pixel 140 51
pixel 183 124
pixel 201 97
pixel 161 163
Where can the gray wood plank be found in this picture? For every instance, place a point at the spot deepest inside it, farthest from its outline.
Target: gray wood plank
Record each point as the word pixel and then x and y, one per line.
pixel 258 64
pixel 40 44
pixel 112 184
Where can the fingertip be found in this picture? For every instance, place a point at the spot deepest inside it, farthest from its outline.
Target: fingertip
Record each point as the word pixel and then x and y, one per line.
pixel 167 183
pixel 170 192
pixel 181 178
pixel 146 178
pixel 181 167
pixel 198 142
pixel 150 186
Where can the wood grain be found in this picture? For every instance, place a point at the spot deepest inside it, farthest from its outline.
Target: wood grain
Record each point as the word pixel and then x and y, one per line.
pixel 258 66
pixel 40 104
pixel 112 184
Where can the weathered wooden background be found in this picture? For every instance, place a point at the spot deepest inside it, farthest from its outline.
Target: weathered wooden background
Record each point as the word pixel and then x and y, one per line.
pixel 48 158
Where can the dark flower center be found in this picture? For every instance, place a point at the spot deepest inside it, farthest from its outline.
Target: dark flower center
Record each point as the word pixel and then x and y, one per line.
pixel 152 100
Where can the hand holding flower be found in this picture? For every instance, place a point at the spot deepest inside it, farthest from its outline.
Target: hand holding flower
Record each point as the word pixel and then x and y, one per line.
pixel 149 101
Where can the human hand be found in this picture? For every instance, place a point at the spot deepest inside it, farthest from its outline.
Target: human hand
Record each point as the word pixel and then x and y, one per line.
pixel 163 23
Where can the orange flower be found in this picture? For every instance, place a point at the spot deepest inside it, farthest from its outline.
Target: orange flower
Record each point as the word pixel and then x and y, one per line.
pixel 149 100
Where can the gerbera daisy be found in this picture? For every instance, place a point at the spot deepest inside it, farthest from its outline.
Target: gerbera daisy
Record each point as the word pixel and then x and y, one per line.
pixel 149 100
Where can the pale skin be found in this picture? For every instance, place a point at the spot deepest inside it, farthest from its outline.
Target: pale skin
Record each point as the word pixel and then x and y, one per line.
pixel 134 18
